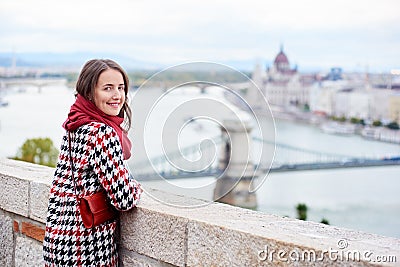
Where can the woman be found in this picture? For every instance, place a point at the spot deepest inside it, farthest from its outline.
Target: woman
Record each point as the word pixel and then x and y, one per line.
pixel 99 146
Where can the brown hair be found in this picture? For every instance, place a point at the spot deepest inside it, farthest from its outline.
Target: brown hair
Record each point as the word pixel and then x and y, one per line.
pixel 87 82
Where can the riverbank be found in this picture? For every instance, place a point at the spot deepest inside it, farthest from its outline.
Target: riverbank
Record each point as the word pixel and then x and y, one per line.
pixel 332 127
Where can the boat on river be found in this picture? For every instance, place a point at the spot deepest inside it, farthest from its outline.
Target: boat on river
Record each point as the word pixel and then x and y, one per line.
pixel 338 128
pixel 3 103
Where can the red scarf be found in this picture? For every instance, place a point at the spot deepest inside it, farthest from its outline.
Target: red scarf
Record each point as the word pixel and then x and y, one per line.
pixel 83 112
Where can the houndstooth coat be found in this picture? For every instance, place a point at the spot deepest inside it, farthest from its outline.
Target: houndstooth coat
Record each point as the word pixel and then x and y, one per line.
pixel 98 162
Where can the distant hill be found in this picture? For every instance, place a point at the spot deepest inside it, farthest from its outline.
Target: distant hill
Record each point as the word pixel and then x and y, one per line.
pixel 76 59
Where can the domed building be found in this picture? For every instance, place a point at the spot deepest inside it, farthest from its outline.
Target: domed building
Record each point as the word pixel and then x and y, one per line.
pixel 282 85
pixel 281 62
pixel 280 70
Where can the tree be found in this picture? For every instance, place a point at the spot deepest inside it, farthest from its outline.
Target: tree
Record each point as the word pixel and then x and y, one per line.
pixel 377 123
pixel 354 120
pixel 393 125
pixel 325 221
pixel 39 151
pixel 302 211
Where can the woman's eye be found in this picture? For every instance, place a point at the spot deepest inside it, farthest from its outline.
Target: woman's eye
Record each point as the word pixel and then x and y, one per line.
pixel 121 88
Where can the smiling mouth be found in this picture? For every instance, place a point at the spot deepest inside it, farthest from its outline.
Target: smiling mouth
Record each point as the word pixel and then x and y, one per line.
pixel 114 105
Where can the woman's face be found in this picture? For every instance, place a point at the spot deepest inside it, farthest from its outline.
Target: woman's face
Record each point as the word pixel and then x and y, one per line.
pixel 109 93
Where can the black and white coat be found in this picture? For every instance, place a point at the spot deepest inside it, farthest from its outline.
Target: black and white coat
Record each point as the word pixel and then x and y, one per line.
pixel 98 162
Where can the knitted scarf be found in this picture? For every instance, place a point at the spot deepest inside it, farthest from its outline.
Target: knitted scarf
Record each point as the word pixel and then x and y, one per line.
pixel 83 112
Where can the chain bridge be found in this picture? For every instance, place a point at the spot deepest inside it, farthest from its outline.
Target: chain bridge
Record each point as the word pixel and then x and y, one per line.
pixel 286 158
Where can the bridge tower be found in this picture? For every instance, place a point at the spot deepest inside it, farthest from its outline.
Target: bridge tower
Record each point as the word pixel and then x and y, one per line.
pixel 233 187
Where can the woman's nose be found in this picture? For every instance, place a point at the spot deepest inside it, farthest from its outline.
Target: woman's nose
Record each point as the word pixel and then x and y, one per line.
pixel 116 94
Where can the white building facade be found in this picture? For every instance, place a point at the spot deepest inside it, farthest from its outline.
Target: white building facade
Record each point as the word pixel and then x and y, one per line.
pixel 282 85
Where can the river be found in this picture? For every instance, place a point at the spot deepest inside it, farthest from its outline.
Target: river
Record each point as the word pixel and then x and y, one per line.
pixel 364 199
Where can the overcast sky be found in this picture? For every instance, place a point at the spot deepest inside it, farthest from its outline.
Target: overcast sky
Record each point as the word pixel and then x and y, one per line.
pixel 352 34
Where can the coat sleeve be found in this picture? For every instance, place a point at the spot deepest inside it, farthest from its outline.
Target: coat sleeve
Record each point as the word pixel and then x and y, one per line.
pixel 106 158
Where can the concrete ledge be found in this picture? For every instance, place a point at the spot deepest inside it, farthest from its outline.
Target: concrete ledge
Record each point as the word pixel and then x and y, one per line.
pixel 28 253
pixel 6 240
pixel 155 234
pixel 131 258
pixel 14 195
pixel 38 200
pixel 25 189
pixel 223 235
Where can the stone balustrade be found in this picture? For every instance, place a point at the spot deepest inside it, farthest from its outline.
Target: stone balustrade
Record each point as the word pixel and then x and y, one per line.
pixel 155 234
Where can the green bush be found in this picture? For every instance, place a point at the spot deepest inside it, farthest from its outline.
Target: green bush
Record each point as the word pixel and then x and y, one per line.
pixel 377 123
pixel 340 119
pixel 393 125
pixel 324 221
pixel 355 120
pixel 301 211
pixel 39 151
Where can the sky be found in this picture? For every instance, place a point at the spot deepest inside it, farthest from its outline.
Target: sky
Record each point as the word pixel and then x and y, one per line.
pixel 355 35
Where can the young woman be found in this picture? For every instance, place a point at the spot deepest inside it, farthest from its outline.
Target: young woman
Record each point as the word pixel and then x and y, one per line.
pixel 97 124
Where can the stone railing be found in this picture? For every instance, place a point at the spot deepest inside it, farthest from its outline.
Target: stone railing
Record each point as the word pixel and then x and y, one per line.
pixel 155 234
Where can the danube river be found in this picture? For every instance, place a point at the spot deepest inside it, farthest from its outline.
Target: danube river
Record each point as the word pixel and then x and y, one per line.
pixel 364 199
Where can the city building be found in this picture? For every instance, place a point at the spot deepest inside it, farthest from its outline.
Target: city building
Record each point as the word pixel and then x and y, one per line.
pixel 379 109
pixel 322 97
pixel 282 85
pixel 350 95
pixel 394 107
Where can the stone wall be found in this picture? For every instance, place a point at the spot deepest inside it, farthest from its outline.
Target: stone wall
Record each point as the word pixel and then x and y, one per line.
pixel 155 234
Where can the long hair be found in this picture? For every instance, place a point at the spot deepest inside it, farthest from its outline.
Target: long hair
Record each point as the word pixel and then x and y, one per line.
pixel 89 77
